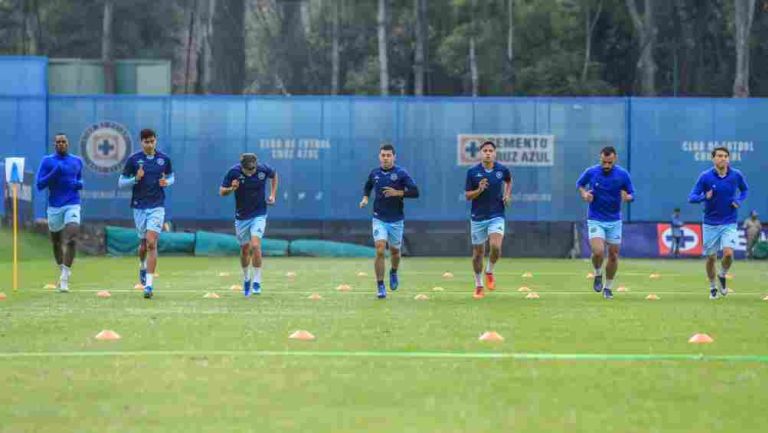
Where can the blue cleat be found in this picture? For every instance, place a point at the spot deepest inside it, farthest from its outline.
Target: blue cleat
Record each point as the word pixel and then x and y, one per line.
pixel 256 288
pixel 148 292
pixel 723 285
pixel 382 291
pixel 712 293
pixel 247 288
pixel 393 281
pixel 597 285
pixel 143 277
pixel 607 294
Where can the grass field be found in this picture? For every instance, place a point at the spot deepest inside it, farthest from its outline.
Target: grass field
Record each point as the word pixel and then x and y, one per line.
pixel 570 360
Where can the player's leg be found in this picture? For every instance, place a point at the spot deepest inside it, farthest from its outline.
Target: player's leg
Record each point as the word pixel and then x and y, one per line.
pixel 380 238
pixel 597 246
pixel 395 239
pixel 56 228
pixel 257 231
pixel 140 220
pixel 243 234
pixel 728 239
pixel 495 239
pixel 69 242
pixel 613 243
pixel 154 225
pixel 479 235
pixel 711 244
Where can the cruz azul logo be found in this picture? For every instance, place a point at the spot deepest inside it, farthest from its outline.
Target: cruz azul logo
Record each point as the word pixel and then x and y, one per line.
pixel 690 243
pixel 105 146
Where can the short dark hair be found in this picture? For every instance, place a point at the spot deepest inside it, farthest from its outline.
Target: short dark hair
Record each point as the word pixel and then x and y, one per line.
pixel 147 133
pixel 387 146
pixel 60 134
pixel 488 143
pixel 608 150
pixel 249 160
pixel 677 209
pixel 723 148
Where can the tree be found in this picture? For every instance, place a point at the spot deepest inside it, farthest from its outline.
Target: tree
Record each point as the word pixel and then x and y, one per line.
pixel 590 20
pixel 420 55
pixel 645 27
pixel 107 54
pixel 743 17
pixel 381 22
pixel 472 49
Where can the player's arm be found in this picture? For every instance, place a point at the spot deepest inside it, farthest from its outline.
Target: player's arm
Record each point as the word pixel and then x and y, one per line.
pixel 628 192
pixel 229 184
pixel 367 188
pixel 582 183
pixel 471 193
pixel 128 177
pixel 507 188
pixel 169 177
pixel 273 188
pixel 46 173
pixel 697 194
pixel 410 190
pixel 78 185
pixel 743 189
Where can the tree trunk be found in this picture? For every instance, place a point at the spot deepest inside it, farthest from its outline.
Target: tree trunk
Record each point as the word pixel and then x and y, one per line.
pixel 335 55
pixel 227 43
pixel 31 27
pixel 205 59
pixel 589 27
pixel 511 43
pixel 107 55
pixel 744 14
pixel 383 58
pixel 293 53
pixel 645 26
pixel 472 52
pixel 419 74
pixel 688 45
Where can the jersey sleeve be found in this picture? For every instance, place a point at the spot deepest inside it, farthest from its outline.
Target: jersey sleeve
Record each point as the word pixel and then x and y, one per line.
pixel 628 187
pixel 130 168
pixel 44 174
pixel 168 168
pixel 743 188
pixel 507 175
pixel 228 178
pixel 411 190
pixel 697 193
pixel 368 187
pixel 269 171
pixel 468 186
pixel 585 178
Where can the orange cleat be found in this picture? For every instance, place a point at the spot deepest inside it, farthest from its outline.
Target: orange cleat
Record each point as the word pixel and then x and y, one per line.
pixel 479 293
pixel 490 282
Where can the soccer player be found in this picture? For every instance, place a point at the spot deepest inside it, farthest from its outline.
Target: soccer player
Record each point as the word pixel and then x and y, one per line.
pixel 752 229
pixel 390 184
pixel 248 181
pixel 717 189
pixel 677 233
pixel 148 172
pixel 62 174
pixel 604 186
pixel 489 187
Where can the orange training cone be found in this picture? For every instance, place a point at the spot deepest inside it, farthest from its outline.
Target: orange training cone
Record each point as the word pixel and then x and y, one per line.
pixel 622 289
pixel 438 289
pixel 3 296
pixel 532 295
pixel 652 297
pixel 315 297
pixel 107 335
pixel 49 286
pixel 138 287
pixel 700 339
pixel 235 287
pixel 302 335
pixel 421 297
pixel 211 295
pixel 524 289
pixel 344 288
pixel 103 294
pixel 491 336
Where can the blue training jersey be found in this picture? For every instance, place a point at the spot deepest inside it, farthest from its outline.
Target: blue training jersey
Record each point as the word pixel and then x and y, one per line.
pixel 490 203
pixel 250 196
pixel 63 176
pixel 147 193
pixel 720 209
pixel 677 226
pixel 606 189
pixel 389 209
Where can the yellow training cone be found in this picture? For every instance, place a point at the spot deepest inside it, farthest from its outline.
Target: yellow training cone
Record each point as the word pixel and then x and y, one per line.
pixel 362 274
pixel 421 297
pixel 590 275
pixel 524 289
pixel 49 286
pixel 211 295
pixel 315 297
pixel 527 275
pixel 652 297
pixel 223 274
pixel 654 276
pixel 532 295
pixel 448 275
pixel 622 289
pixel 344 288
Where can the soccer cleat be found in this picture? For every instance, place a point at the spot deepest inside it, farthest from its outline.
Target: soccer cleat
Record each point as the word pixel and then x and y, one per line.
pixel 607 294
pixel 143 277
pixel 393 281
pixel 597 285
pixel 478 293
pixel 490 282
pixel 256 288
pixel 381 291
pixel 723 285
pixel 63 285
pixel 247 288
pixel 713 293
pixel 148 292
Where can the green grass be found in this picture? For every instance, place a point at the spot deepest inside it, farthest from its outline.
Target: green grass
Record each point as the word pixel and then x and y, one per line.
pixel 185 363
pixel 32 246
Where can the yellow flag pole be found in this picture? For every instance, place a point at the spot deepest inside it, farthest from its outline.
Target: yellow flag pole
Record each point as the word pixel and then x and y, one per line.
pixel 15 188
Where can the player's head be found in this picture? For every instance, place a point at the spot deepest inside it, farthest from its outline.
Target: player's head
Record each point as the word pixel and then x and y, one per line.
pixel 488 151
pixel 721 157
pixel 608 158
pixel 677 210
pixel 753 214
pixel 148 141
pixel 61 143
pixel 249 162
pixel 387 156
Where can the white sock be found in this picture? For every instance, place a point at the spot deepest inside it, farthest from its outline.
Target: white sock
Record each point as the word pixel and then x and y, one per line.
pixel 724 270
pixel 479 280
pixel 143 265
pixel 608 284
pixel 598 272
pixel 65 272
pixel 247 273
pixel 712 284
pixel 489 267
pixel 149 278
pixel 257 275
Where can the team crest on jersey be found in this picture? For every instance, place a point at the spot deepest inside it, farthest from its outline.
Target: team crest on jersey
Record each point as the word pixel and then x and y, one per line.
pixel 393 177
pixel 498 175
pixel 105 146
pixel 160 161
pixel 262 175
